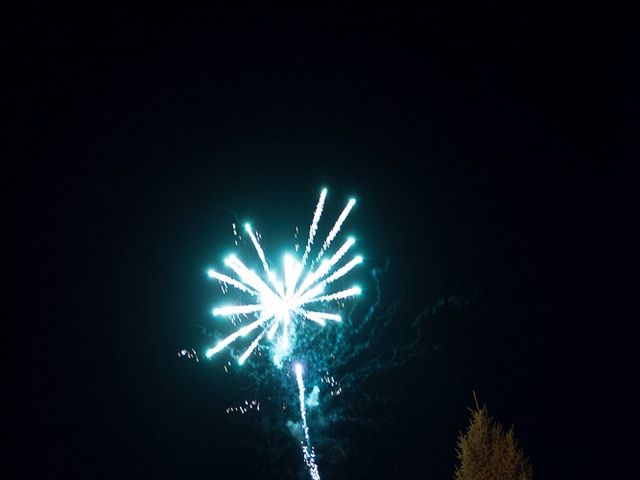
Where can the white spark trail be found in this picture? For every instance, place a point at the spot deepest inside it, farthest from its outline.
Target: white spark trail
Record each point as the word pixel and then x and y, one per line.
pixel 309 294
pixel 325 266
pixel 320 317
pixel 230 281
pixel 252 347
pixel 248 276
pixel 256 244
pixel 314 226
pixel 237 310
pixel 276 283
pixel 273 329
pixel 292 271
pixel 319 288
pixel 342 271
pixel 314 318
pixel 350 292
pixel 336 228
pixel 238 333
pixel 307 449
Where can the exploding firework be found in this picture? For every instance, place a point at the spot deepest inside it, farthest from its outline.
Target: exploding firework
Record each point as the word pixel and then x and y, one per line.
pixel 281 301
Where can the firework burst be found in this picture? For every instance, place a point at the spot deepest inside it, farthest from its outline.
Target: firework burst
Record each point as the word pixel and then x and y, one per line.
pixel 281 300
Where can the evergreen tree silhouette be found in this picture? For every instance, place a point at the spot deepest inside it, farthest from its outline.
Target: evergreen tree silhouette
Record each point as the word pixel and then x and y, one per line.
pixel 487 452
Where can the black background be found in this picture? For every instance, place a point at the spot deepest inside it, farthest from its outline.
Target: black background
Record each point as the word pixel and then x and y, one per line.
pixel 494 154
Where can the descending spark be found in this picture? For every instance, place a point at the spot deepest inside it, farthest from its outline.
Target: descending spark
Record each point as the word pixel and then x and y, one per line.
pixel 281 296
pixel 307 449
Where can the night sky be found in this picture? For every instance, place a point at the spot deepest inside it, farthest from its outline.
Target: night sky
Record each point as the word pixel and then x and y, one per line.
pixel 494 155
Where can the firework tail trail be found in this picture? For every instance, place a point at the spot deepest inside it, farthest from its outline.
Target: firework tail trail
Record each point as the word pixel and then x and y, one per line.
pixel 230 281
pixel 336 228
pixel 309 295
pixel 239 333
pixel 341 272
pixel 350 292
pixel 253 345
pixel 257 246
pixel 307 449
pixel 325 267
pixel 314 225
pixel 272 279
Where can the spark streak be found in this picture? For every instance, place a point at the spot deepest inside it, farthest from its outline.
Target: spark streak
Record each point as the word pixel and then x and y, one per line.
pixel 252 347
pixel 320 317
pixel 314 225
pixel 230 281
pixel 350 292
pixel 307 449
pixel 238 333
pixel 336 228
pixel 326 265
pixel 256 244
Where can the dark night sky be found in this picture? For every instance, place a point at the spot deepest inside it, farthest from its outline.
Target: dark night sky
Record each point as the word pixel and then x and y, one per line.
pixel 494 154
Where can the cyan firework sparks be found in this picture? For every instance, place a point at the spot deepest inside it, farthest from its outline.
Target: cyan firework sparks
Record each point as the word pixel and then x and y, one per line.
pixel 281 301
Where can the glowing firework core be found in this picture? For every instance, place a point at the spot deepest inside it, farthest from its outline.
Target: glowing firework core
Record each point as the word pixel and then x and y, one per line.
pixel 283 300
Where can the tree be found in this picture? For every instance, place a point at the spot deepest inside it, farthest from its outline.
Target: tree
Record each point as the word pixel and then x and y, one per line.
pixel 487 452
